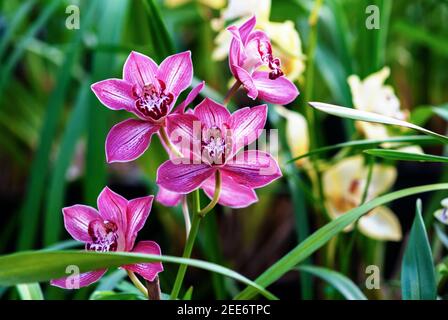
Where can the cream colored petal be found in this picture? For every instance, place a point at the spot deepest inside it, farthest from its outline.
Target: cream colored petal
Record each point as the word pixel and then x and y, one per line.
pixel 296 132
pixel 286 46
pixel 381 224
pixel 372 130
pixel 334 213
pixel 383 178
pixel 338 178
pixel 372 95
pixel 238 8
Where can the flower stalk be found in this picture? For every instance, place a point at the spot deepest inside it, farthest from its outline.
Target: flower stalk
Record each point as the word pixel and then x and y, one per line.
pixel 232 91
pixel 197 217
pixel 137 283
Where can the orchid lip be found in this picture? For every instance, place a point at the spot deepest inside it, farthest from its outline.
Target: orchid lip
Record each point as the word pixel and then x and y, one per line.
pixel 104 236
pixel 153 101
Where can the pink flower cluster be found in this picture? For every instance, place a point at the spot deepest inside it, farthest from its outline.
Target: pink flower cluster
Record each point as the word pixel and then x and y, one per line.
pixel 213 140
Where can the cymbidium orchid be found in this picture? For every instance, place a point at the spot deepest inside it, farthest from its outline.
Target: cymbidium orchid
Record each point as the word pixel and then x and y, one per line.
pixel 211 140
pixel 149 92
pixel 254 65
pixel 344 185
pixel 286 43
pixel 113 227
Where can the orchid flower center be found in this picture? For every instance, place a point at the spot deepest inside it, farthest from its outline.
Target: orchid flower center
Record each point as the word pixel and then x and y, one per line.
pixel 265 51
pixel 153 102
pixel 104 236
pixel 214 145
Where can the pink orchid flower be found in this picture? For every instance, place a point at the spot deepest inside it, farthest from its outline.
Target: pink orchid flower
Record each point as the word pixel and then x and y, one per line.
pixel 113 227
pixel 250 57
pixel 148 91
pixel 213 139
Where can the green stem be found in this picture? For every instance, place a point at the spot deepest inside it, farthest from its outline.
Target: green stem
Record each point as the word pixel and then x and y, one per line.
pixel 232 91
pixel 215 199
pixel 167 142
pixel 188 248
pixel 197 217
pixel 137 283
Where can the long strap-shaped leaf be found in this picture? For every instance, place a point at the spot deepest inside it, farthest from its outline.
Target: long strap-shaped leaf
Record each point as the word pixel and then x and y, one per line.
pixel 405 156
pixel 372 117
pixel 37 266
pixel 418 280
pixel 324 234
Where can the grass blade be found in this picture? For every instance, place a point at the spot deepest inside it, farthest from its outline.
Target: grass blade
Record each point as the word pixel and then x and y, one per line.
pixel 36 182
pixel 405 156
pixel 55 199
pixel 344 285
pixel 38 266
pixel 368 143
pixel 372 117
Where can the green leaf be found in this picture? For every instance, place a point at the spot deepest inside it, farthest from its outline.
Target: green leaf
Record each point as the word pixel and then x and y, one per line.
pixel 56 191
pixel 110 26
pixel 37 266
pixel 160 36
pixel 405 156
pixel 372 117
pixel 417 270
pixel 188 294
pixel 324 234
pixel 30 291
pixel 36 182
pixel 344 285
pixel 360 144
pixel 19 15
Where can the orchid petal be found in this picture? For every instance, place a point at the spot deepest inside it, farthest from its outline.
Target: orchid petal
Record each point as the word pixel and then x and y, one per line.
pixel 77 219
pixel 253 168
pixel 168 198
pixel 137 212
pixel 246 28
pixel 177 72
pixel 233 195
pixel 115 94
pixel 279 91
pixel 247 124
pixel 184 131
pixel 248 83
pixel 150 270
pixel 140 70
pixel 211 113
pixel 85 279
pixel 381 224
pixel 113 207
pixel 127 140
pixel 183 178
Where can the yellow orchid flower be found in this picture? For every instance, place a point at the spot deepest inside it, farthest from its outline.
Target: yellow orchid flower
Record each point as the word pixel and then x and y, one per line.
pixel 442 214
pixel 214 4
pixel 371 94
pixel 296 132
pixel 344 185
pixel 285 38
